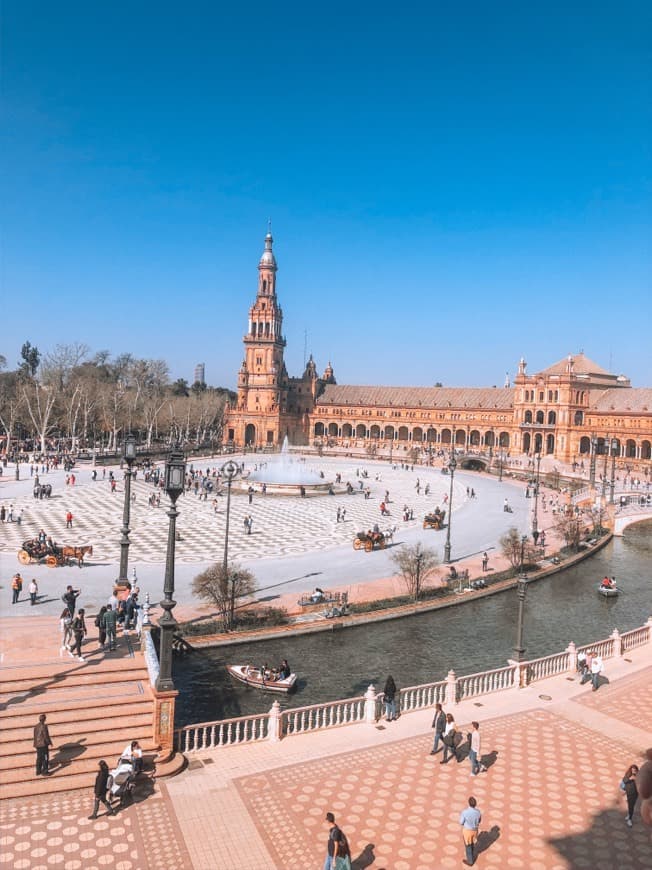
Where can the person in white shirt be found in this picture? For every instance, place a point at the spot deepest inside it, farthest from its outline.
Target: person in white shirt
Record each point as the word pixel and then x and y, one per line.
pixel 475 750
pixel 596 669
pixel 134 754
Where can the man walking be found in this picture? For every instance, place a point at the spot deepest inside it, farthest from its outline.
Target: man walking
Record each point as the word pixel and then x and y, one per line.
pixel 475 750
pixel 439 724
pixel 470 819
pixel 16 586
pixel 110 622
pixel 42 744
pixel 79 632
pixel 70 597
pixel 596 669
pixel 33 591
pixel 337 846
pixel 485 562
pixel 69 520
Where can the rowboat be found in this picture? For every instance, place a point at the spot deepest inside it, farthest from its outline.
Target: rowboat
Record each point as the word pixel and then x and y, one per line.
pixel 253 677
pixel 608 591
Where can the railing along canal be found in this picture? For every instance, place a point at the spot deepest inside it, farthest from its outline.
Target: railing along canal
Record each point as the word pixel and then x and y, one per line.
pixel 279 723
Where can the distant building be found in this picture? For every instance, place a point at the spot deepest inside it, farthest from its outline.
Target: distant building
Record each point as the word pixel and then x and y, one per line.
pixel 569 410
pixel 200 374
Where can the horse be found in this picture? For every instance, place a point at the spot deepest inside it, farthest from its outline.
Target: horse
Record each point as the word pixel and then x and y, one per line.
pixel 78 553
pixel 389 535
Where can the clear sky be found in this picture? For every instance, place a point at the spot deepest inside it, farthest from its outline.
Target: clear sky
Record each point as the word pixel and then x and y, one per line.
pixel 451 186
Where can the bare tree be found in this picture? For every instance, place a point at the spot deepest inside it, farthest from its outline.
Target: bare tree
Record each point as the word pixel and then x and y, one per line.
pixel 40 400
pixel 416 564
pixel 517 548
pixel 223 588
pixel 569 527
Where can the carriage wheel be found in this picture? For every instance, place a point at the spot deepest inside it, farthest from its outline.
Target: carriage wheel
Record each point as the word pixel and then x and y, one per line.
pixel 357 544
pixel 23 557
pixel 425 524
pixel 368 546
pixel 51 561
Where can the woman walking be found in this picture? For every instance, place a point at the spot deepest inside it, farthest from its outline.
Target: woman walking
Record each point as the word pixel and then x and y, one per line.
pixel 628 785
pixel 99 622
pixel 101 786
pixel 450 735
pixel 389 694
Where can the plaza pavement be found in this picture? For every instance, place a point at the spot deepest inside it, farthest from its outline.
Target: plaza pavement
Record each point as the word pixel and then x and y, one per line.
pixel 296 544
pixel 550 800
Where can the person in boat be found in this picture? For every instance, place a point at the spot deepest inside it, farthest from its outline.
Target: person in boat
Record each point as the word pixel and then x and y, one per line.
pixel 609 583
pixel 317 595
pixel 284 671
pixel 247 671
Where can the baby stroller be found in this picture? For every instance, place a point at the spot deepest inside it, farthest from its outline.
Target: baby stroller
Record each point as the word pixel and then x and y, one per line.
pixel 122 782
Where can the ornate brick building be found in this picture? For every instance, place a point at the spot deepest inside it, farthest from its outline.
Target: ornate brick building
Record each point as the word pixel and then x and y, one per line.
pixel 567 411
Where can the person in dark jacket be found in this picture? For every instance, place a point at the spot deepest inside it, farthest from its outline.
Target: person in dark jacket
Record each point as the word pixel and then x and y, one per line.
pixel 389 694
pixel 110 621
pixel 99 622
pixel 42 744
pixel 79 633
pixel 101 786
pixel 70 597
pixel 439 724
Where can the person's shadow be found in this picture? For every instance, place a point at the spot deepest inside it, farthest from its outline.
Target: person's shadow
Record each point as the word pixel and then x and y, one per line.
pixel 486 839
pixel 489 759
pixel 365 859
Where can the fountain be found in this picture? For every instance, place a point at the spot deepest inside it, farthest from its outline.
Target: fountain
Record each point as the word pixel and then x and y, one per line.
pixel 283 475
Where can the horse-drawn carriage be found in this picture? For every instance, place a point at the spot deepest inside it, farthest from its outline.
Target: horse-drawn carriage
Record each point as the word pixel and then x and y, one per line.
pixel 434 520
pixel 369 541
pixel 35 552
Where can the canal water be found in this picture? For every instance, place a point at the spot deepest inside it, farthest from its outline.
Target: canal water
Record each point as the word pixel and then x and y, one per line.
pixel 421 649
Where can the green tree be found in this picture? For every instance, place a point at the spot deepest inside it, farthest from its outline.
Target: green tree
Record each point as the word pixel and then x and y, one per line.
pixel 180 387
pixel 31 358
pixel 224 588
pixel 416 565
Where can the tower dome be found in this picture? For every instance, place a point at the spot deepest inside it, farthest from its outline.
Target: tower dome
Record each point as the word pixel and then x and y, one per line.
pixel 268 260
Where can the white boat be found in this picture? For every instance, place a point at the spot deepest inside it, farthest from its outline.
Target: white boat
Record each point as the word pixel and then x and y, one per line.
pixel 253 677
pixel 608 591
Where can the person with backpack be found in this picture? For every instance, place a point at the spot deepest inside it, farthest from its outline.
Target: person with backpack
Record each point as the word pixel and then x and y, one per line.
pixel 110 622
pixel 99 624
pixel 338 856
pixel 79 633
pixel 100 789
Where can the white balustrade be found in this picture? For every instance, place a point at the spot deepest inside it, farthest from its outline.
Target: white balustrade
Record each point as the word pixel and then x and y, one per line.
pixel 484 683
pixel 300 720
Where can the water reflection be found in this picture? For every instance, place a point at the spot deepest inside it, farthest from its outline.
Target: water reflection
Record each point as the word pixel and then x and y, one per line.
pixel 422 649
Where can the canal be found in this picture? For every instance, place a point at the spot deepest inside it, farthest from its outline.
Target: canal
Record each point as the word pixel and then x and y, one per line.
pixel 421 649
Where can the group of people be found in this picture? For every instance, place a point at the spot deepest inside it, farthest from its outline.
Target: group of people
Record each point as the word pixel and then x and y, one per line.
pixel 117 611
pixel 608 582
pixel 270 675
pixel 590 666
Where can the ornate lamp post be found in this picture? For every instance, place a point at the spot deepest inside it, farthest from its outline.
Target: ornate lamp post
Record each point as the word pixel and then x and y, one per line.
pixel 452 465
pixel 230 470
pixel 523 542
pixel 535 517
pixel 419 560
pixel 521 591
pixel 607 450
pixel 175 475
pixel 129 455
pixel 614 449
pixel 594 450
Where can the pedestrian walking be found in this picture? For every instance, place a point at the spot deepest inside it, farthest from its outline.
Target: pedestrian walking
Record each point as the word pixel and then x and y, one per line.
pixel 250 493
pixel 439 724
pixel 628 786
pixel 485 562
pixel 449 739
pixel 65 623
pixel 42 744
pixel 470 819
pixel 70 597
pixel 69 519
pixel 338 854
pixel 100 789
pixel 339 514
pixel 33 591
pixel 475 750
pixel 110 622
pixel 596 669
pixel 16 588
pixel 389 697
pixel 99 624
pixel 79 633
pixel 343 514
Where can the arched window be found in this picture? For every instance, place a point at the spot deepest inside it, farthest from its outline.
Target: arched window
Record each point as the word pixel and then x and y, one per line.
pixel 474 438
pixel 332 429
pixel 319 430
pixel 539 417
pixel 264 286
pixel 403 434
pixel 585 443
pixel 528 417
pixel 489 439
pixel 445 436
pixel 645 450
pixel 538 442
pixel 578 420
pixel 503 440
pixel 374 432
pixel 417 433
pixel 552 418
pixel 550 444
pixel 389 433
pixel 431 435
pixel 361 431
pixel 460 438
pixel 347 430
pixel 526 442
pixel 630 449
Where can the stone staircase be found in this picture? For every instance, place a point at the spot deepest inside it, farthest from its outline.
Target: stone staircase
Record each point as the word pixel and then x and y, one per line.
pixel 93 710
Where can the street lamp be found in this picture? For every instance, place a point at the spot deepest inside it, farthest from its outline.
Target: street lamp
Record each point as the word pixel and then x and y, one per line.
pixel 452 465
pixel 175 476
pixel 521 591
pixel 523 542
pixel 230 470
pixel 129 455
pixel 594 450
pixel 614 449
pixel 535 518
pixel 419 560
pixel 607 449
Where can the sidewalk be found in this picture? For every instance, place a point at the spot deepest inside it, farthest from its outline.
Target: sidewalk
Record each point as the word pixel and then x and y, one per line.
pixel 550 799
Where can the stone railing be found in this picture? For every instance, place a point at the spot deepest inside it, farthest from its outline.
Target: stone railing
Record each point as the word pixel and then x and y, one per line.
pixel 151 659
pixel 368 709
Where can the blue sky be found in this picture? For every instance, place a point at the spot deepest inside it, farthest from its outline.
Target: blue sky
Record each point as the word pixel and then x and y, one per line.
pixel 451 186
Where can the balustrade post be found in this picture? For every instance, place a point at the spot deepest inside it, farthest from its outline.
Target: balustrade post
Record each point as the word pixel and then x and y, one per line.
pixel 451 688
pixel 274 731
pixel 370 705
pixel 649 625
pixel 618 646
pixel 571 649
pixel 520 681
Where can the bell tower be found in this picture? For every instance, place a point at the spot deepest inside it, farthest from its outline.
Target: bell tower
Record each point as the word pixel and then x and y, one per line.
pixel 262 379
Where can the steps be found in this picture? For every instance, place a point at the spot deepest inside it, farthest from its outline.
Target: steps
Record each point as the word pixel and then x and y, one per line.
pixel 93 710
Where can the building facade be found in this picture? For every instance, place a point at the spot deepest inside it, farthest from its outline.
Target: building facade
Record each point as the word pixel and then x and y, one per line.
pixel 570 410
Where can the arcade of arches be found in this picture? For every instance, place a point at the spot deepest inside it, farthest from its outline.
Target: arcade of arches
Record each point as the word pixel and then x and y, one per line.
pixel 570 410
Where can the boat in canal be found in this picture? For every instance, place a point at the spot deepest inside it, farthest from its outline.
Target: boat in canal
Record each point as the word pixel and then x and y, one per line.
pixel 256 679
pixel 608 591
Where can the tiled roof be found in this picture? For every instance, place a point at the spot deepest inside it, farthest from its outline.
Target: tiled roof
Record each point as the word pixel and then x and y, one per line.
pixel 582 365
pixel 624 400
pixel 418 397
